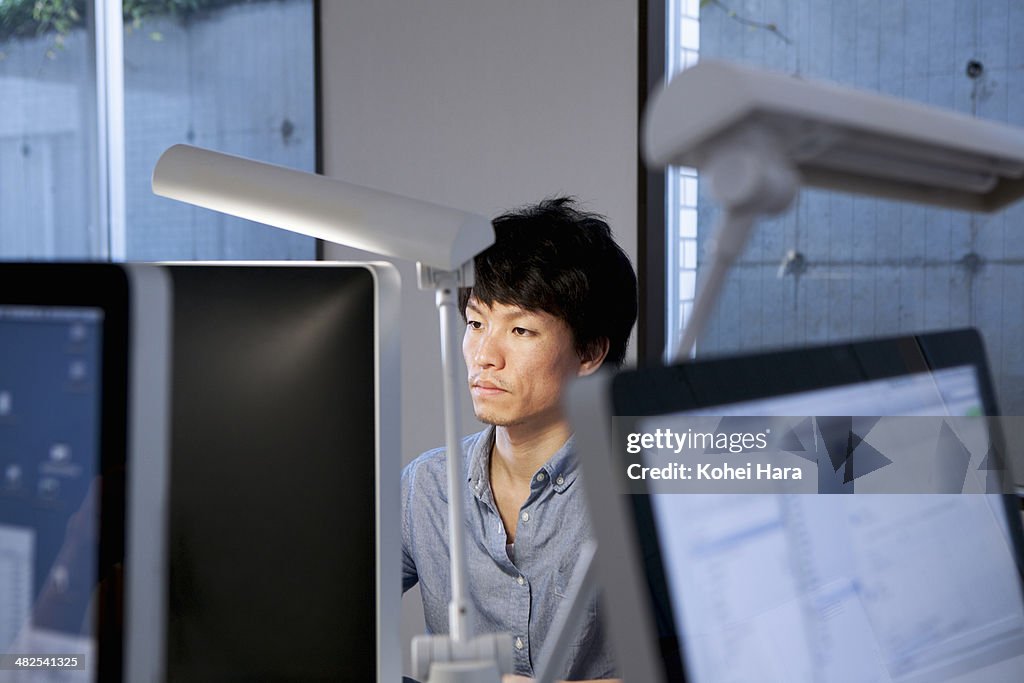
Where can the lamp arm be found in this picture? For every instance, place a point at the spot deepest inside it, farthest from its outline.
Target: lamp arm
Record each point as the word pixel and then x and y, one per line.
pixel 737 226
pixel 751 177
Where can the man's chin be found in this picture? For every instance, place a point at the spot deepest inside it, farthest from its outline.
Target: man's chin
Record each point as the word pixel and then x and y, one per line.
pixel 496 419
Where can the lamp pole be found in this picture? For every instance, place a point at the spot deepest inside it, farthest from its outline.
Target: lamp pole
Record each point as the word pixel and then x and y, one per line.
pixel 458 657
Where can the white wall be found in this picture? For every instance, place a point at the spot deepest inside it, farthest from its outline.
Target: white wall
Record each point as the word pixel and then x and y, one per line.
pixel 483 105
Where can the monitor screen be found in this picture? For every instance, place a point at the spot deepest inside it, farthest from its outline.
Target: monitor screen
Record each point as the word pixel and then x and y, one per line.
pixel 284 473
pixel 50 402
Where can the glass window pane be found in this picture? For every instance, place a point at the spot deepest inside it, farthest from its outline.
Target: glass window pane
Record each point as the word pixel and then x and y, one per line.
pixel 690 191
pixel 688 223
pixel 48 177
pixel 689 33
pixel 690 254
pixel 687 284
pixel 237 78
pixel 683 47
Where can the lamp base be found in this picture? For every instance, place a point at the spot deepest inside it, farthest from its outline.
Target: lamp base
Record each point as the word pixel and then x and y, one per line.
pixel 464 672
pixel 441 659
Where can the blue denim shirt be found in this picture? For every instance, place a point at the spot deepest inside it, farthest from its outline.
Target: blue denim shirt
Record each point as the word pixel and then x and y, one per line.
pixel 520 597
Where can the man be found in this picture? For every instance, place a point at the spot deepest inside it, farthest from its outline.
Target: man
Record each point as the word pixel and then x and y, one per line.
pixel 554 299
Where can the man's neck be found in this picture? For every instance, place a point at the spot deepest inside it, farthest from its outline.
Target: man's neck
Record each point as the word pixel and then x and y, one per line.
pixel 520 450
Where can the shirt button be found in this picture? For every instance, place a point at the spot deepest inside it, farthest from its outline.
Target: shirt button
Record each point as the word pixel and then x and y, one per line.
pixel 519 643
pixel 526 517
pixel 560 480
pixel 540 476
pixel 520 580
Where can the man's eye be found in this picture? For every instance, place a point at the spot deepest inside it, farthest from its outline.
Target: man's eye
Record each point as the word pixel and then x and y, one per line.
pixel 521 331
pixel 474 324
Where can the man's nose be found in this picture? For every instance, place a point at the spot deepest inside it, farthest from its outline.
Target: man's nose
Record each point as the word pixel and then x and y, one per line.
pixel 486 351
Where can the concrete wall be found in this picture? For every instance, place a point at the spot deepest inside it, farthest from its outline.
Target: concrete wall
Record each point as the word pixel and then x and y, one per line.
pixel 880 267
pixel 482 105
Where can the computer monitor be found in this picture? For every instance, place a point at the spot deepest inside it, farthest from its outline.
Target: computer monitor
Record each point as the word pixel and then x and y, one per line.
pixel 285 470
pixel 808 587
pixel 83 452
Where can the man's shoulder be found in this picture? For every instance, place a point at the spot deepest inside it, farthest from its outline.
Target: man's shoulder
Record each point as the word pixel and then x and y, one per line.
pixel 435 460
pixel 427 460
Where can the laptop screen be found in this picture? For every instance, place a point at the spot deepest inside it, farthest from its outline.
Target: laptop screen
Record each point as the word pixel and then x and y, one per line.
pixel 948 391
pixel 837 588
pixel 866 587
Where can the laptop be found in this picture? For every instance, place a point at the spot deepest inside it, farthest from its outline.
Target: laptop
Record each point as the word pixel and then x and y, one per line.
pixel 875 564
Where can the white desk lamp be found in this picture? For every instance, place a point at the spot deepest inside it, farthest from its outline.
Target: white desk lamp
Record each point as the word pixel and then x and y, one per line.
pixel 759 135
pixel 443 242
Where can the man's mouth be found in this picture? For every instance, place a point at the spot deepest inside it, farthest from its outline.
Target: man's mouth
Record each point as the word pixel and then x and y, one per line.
pixel 485 388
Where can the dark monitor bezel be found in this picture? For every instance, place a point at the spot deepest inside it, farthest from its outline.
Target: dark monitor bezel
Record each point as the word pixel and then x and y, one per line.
pixel 105 287
pixel 721 381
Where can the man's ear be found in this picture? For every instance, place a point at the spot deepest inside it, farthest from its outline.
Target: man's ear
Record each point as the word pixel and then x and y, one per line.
pixel 594 356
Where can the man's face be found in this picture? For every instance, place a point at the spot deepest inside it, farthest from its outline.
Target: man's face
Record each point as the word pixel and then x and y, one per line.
pixel 519 362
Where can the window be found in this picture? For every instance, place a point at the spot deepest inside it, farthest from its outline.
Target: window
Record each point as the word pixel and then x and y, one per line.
pixel 95 90
pixel 681 193
pixel 839 266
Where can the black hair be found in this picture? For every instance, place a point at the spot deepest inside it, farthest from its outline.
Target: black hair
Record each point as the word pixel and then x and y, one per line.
pixel 552 257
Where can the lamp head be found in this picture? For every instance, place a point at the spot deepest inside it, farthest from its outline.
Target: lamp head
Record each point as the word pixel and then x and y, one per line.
pixel 838 137
pixel 381 222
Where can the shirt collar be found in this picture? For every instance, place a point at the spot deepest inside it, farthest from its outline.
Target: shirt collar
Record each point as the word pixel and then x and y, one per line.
pixel 476 467
pixel 560 469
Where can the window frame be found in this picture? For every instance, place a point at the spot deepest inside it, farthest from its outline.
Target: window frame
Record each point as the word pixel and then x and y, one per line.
pixel 652 228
